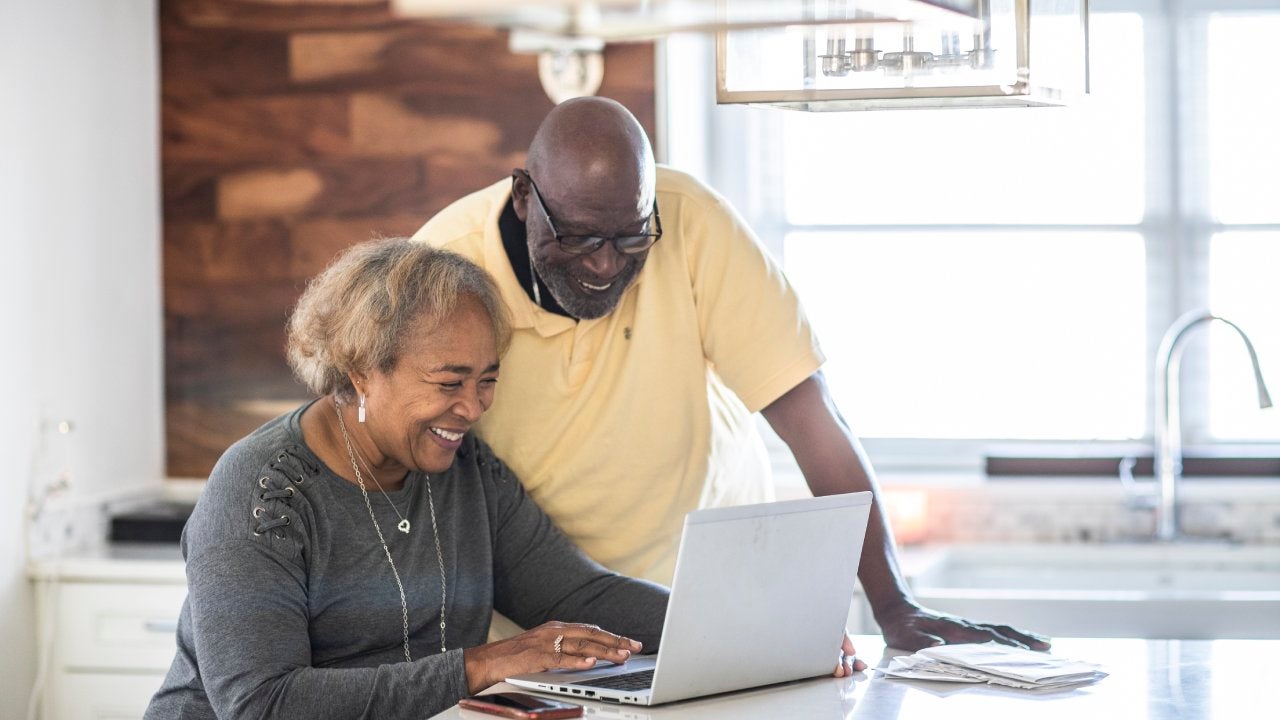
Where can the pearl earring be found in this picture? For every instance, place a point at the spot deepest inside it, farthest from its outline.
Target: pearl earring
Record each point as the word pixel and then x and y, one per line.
pixel 360 412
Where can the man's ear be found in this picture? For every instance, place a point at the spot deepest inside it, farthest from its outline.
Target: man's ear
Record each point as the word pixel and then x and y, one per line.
pixel 520 194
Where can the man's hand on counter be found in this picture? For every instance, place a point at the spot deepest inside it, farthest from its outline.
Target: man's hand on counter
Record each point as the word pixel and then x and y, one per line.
pixel 849 662
pixel 915 627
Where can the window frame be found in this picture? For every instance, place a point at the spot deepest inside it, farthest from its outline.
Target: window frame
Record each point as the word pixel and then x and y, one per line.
pixel 1177 225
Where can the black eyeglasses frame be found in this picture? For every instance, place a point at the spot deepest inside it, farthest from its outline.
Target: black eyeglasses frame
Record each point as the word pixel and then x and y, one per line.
pixel 587 244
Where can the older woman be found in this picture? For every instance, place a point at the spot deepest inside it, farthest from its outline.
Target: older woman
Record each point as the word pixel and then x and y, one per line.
pixel 345 558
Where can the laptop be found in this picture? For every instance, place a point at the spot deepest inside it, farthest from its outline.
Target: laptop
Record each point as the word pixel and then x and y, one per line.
pixel 761 595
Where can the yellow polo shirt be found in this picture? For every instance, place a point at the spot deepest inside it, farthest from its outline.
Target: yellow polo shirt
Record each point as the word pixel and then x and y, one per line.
pixel 619 426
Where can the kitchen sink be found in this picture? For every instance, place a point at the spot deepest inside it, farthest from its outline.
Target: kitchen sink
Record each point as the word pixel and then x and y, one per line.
pixel 1158 590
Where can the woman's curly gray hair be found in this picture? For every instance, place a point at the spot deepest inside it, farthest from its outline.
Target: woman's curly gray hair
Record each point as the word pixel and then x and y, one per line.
pixel 353 316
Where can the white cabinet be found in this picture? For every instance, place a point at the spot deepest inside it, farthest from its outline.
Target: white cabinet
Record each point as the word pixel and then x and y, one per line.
pixel 106 636
pixel 100 696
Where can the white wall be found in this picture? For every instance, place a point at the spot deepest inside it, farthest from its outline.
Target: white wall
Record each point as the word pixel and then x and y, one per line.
pixel 720 144
pixel 80 308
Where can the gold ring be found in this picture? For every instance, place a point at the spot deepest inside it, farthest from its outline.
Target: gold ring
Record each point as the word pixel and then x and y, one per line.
pixel 555 647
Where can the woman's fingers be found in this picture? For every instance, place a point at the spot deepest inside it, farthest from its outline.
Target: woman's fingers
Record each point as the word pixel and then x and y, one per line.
pixel 550 645
pixel 566 661
pixel 577 645
pixel 604 637
pixel 588 647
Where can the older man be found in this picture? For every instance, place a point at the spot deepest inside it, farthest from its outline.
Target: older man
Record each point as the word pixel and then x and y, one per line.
pixel 649 326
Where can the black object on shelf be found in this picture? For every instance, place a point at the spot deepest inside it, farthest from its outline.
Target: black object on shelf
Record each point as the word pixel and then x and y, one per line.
pixel 158 522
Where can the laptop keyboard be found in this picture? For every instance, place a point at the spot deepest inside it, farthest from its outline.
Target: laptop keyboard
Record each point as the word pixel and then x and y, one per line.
pixel 639 680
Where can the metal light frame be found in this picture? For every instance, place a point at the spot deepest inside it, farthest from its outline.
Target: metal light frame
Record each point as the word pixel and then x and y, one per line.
pixel 1022 93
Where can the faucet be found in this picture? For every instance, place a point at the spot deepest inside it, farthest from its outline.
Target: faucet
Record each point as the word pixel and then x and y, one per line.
pixel 1168 426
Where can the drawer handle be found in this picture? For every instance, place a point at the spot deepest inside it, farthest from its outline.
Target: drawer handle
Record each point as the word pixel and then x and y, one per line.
pixel 161 626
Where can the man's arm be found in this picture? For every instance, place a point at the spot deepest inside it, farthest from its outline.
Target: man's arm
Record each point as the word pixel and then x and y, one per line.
pixel 833 461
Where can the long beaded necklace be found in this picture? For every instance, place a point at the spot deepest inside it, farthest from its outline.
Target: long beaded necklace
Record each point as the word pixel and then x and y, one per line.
pixel 404 605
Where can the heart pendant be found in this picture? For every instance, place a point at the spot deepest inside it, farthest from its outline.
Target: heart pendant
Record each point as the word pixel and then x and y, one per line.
pixel 403 527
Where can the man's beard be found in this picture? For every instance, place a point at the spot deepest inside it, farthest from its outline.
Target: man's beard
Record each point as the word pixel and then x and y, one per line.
pixel 575 299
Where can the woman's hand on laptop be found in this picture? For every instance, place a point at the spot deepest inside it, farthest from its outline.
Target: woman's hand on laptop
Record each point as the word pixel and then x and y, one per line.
pixel 552 645
pixel 915 627
pixel 849 664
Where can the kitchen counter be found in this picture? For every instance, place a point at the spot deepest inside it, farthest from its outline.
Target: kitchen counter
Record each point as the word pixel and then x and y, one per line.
pixel 115 563
pixel 1152 679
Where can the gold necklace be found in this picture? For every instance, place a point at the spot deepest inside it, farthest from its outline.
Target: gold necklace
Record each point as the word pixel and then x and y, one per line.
pixel 404 605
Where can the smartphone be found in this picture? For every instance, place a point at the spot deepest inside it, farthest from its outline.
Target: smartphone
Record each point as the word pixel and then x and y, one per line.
pixel 521 705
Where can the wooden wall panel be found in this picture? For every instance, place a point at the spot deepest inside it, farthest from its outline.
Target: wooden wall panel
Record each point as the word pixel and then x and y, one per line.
pixel 293 129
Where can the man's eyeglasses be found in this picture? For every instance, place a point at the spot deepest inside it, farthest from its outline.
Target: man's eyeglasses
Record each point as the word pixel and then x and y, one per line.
pixel 587 244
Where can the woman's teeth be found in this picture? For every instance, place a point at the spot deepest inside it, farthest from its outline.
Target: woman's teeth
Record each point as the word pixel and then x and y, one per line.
pixel 450 436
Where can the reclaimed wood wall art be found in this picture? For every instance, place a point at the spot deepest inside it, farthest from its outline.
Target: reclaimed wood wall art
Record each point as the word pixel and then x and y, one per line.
pixel 292 129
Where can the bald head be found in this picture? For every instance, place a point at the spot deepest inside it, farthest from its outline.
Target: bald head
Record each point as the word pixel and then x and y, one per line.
pixel 591 151
pixel 590 168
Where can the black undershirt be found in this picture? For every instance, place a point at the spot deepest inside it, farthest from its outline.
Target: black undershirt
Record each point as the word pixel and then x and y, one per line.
pixel 516 243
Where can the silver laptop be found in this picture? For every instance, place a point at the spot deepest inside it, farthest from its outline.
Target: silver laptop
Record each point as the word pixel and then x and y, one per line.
pixel 761 595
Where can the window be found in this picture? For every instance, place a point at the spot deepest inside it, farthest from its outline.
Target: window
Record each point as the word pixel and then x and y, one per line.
pixel 1006 275
pixel 1243 282
pixel 1244 104
pixel 1075 165
pixel 991 334
pixel 1244 190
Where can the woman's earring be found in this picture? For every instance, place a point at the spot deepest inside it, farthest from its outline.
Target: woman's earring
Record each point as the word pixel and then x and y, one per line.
pixel 360 413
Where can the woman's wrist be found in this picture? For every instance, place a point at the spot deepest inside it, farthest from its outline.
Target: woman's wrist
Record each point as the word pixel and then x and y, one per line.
pixel 475 667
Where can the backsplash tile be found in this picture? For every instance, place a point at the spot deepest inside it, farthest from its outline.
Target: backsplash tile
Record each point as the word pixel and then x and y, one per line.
pixel 1066 514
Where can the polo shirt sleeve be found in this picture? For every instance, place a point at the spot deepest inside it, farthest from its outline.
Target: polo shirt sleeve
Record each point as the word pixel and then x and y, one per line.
pixel 754 330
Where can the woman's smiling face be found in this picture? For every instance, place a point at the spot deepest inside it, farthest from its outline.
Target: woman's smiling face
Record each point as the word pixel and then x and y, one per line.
pixel 441 385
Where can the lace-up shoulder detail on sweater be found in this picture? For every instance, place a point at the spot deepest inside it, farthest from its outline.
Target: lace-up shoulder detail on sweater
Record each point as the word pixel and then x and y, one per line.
pixel 275 517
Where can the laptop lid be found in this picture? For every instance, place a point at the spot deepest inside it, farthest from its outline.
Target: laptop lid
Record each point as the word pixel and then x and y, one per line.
pixel 761 595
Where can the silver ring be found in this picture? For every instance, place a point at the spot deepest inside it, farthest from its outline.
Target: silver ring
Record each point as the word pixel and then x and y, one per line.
pixel 555 647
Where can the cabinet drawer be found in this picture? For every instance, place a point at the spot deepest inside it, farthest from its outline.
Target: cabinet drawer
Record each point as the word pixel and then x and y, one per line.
pixel 103 626
pixel 80 696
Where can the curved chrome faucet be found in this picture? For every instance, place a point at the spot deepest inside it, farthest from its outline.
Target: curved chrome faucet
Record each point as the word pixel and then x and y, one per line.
pixel 1168 425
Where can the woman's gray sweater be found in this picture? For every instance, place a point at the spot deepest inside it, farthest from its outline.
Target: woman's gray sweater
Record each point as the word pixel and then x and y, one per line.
pixel 292 610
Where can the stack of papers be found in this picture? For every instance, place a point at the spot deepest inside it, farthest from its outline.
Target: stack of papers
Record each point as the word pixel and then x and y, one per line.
pixel 995 664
